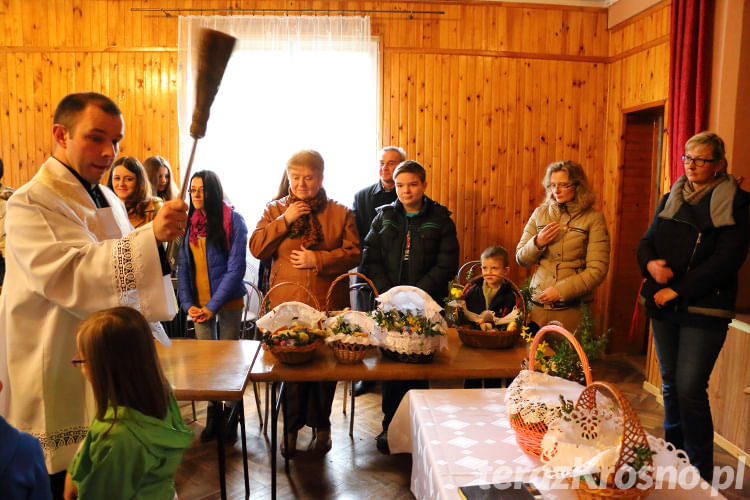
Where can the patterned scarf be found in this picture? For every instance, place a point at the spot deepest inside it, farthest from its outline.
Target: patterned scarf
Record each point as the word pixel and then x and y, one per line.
pixel 308 226
pixel 199 224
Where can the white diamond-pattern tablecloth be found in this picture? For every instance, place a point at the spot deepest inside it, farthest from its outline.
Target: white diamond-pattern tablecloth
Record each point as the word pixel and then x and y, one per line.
pixel 484 452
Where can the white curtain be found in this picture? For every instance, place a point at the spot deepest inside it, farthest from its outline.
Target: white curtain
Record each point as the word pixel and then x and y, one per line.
pixel 292 83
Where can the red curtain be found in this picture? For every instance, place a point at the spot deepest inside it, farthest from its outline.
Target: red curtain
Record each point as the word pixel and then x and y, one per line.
pixel 689 75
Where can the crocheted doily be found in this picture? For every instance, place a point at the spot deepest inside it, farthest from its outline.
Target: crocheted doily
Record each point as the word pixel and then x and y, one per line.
pixel 357 320
pixel 536 396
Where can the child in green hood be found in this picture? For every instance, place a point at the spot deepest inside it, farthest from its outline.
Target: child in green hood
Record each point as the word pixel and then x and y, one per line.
pixel 135 442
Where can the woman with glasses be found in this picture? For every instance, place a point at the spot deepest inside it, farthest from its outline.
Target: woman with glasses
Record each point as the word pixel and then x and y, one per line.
pixel 690 257
pixel 568 239
pixel 210 268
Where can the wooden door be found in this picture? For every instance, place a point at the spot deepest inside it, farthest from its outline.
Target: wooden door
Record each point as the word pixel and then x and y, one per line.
pixel 638 194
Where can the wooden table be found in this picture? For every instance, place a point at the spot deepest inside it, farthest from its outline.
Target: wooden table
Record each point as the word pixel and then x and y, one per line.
pixel 457 361
pixel 212 370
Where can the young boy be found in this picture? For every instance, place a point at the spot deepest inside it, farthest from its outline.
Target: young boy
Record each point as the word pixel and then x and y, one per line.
pixel 491 292
pixel 411 241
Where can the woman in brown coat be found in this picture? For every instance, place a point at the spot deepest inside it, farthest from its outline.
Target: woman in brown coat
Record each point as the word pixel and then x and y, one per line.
pixel 310 240
pixel 568 240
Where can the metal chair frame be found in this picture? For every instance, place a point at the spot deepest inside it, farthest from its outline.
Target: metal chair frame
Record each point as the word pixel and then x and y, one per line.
pixel 251 288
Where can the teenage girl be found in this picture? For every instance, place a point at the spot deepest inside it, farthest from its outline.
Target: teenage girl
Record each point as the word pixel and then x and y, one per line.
pixel 136 440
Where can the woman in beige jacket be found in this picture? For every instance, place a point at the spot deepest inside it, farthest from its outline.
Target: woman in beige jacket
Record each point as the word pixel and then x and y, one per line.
pixel 569 241
pixel 310 240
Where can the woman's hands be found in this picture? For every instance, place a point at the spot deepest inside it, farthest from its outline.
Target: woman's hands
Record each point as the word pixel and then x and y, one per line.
pixel 295 211
pixel 549 296
pixel 660 271
pixel 664 295
pixel 302 258
pixel 199 314
pixel 547 234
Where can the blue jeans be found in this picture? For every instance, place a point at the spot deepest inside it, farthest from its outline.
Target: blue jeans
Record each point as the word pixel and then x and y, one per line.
pixel 229 326
pixel 686 359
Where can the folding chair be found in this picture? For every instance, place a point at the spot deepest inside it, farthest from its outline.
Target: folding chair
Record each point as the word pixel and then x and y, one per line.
pixel 249 330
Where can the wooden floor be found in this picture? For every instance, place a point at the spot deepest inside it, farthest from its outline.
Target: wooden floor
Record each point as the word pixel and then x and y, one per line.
pixel 354 469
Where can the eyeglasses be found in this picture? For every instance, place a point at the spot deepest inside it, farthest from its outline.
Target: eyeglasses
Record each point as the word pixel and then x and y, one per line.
pixel 77 362
pixel 562 185
pixel 196 190
pixel 698 162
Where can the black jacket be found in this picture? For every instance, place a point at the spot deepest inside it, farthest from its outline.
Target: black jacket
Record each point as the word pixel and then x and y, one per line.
pixel 704 258
pixel 366 201
pixel 433 255
pixel 502 303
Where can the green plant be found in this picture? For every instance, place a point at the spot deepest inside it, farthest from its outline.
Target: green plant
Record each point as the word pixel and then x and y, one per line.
pixel 407 322
pixel 564 362
pixel 642 455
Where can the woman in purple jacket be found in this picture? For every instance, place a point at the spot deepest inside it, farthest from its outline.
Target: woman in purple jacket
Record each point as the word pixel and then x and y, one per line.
pixel 211 265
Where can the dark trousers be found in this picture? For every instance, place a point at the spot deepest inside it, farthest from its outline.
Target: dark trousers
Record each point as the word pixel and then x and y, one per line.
pixel 308 403
pixel 393 392
pixel 57 484
pixel 686 359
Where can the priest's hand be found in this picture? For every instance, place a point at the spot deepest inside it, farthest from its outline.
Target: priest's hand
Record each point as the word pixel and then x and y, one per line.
pixel 71 492
pixel 170 221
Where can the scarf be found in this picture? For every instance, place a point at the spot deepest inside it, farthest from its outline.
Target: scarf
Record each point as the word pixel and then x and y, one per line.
pixel 199 224
pixel 722 192
pixel 308 226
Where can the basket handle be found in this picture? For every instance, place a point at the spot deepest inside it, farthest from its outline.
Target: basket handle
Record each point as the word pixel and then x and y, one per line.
pixel 632 431
pixel 315 302
pixel 565 333
pixel 516 291
pixel 346 275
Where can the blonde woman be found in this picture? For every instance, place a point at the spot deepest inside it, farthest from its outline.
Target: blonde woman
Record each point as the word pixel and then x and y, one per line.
pixel 568 239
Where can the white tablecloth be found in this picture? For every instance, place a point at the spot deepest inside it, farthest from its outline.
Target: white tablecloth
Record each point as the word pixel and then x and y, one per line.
pixel 460 437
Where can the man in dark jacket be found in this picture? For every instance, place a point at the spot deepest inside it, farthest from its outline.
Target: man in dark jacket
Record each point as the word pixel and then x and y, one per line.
pixel 381 193
pixel 413 242
pixel 366 201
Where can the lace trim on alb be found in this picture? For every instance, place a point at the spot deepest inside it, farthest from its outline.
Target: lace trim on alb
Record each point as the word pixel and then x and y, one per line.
pixel 61 438
pixel 127 272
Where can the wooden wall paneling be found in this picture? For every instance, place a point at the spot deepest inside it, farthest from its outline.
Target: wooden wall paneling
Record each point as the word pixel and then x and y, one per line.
pixel 485 166
pixel 410 95
pixel 418 110
pixel 427 82
pixel 25 98
pixel 453 139
pixel 443 148
pixel 9 169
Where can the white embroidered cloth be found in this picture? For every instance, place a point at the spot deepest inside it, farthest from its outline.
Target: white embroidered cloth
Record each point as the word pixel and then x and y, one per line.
pixel 536 396
pixel 410 299
pixel 589 441
pixel 359 321
pixel 283 315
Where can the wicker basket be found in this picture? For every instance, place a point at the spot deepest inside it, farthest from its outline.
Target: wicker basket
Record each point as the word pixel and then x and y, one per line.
pixel 292 355
pixel 632 435
pixel 493 339
pixel 349 352
pixel 408 358
pixel 529 435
